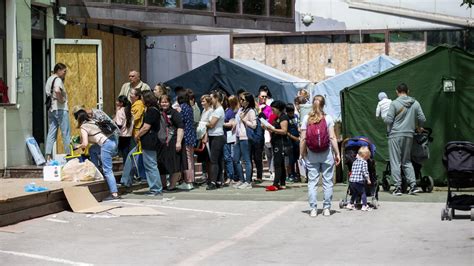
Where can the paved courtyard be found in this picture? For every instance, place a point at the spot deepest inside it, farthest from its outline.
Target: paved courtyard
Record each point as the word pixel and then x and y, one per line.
pixel 246 227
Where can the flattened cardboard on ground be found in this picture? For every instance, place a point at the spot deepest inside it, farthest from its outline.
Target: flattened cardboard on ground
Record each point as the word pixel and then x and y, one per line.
pixel 135 211
pixel 81 200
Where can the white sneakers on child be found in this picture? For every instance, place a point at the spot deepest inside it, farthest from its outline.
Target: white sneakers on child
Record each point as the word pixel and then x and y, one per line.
pixel 326 212
pixel 366 208
pixel 350 206
pixel 313 213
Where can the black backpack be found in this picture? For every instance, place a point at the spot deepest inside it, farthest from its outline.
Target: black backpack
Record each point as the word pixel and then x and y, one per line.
pixel 166 131
pixel 106 126
pixel 49 99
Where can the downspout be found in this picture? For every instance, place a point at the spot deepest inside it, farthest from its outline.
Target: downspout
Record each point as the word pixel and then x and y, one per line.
pixel 5 154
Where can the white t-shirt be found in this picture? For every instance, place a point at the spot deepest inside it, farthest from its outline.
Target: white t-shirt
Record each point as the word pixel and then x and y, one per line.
pixel 58 87
pixel 218 130
pixel 319 157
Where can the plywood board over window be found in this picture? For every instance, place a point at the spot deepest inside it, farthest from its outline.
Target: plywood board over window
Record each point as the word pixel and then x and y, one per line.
pixel 127 57
pixel 83 81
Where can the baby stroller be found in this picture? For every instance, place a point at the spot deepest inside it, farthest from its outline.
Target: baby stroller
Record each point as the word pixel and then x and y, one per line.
pixel 458 159
pixel 350 147
pixel 420 152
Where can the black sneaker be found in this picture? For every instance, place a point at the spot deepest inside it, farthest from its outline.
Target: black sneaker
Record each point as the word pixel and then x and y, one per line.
pixel 153 194
pixel 397 192
pixel 112 197
pixel 413 190
pixel 211 186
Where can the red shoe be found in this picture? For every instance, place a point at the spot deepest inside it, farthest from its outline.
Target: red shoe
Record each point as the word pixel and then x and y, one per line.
pixel 271 188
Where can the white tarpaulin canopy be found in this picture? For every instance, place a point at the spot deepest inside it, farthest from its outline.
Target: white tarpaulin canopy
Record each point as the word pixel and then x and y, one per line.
pixel 330 88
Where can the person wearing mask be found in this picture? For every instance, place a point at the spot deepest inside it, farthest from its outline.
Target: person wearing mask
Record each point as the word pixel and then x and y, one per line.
pixel 320 156
pixel 215 132
pixel 246 119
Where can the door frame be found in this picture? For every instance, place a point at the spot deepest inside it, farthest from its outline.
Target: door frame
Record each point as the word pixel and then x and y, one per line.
pixel 98 43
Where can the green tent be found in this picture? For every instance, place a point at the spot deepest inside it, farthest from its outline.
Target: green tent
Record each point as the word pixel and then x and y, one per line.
pixel 449 114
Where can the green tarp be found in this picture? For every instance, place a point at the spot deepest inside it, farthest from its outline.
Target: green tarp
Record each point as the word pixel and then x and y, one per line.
pixel 449 114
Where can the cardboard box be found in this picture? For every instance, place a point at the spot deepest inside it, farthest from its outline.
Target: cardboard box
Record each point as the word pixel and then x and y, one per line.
pixel 52 173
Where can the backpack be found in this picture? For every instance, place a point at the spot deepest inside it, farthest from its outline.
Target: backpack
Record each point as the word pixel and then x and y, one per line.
pixel 255 134
pixel 106 126
pixel 166 131
pixel 49 99
pixel 317 136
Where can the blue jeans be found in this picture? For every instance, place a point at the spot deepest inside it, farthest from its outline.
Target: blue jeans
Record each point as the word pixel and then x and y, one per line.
pixel 315 168
pixel 152 173
pixel 242 151
pixel 58 118
pixel 229 161
pixel 106 151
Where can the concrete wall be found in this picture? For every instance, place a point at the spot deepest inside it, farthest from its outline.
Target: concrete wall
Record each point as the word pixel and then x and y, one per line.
pixel 175 55
pixel 336 14
pixel 16 121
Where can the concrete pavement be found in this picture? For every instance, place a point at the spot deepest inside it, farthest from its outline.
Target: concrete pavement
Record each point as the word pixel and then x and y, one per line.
pixel 246 227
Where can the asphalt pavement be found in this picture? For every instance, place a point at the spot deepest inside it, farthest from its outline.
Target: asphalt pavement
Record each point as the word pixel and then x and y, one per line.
pixel 246 227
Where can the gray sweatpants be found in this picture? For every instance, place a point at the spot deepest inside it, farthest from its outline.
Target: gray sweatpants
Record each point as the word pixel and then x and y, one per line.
pixel 400 155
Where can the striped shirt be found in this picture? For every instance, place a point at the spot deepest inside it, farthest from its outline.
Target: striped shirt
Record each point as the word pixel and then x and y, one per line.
pixel 359 171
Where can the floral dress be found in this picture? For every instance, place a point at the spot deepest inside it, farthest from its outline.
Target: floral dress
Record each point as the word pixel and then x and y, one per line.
pixel 188 119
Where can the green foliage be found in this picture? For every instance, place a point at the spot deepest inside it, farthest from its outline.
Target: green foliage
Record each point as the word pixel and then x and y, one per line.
pixel 469 3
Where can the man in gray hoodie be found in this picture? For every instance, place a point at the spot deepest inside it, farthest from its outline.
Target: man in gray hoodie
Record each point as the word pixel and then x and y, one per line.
pixel 402 118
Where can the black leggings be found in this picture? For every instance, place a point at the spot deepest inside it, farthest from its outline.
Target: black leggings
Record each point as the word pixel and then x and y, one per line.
pixel 257 156
pixel 216 145
pixel 279 164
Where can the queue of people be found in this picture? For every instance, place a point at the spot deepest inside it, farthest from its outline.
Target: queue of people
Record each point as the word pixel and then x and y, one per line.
pixel 159 138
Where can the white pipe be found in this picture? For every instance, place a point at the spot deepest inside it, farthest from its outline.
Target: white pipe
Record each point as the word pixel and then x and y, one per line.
pixel 5 153
pixel 412 13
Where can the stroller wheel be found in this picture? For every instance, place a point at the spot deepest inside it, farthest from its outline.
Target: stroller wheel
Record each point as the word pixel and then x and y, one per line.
pixel 342 204
pixel 442 214
pixel 449 214
pixel 375 204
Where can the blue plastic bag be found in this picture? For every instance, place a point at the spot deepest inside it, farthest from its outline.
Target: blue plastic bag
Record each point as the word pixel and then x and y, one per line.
pixel 32 187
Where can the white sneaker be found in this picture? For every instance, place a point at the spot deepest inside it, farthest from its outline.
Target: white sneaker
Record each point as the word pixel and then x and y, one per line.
pixel 313 213
pixel 185 186
pixel 350 206
pixel 326 212
pixel 245 186
pixel 237 185
pixel 366 208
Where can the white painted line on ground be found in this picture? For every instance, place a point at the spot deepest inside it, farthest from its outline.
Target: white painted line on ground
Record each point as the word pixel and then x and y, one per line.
pixel 57 220
pixel 246 232
pixel 46 258
pixel 178 208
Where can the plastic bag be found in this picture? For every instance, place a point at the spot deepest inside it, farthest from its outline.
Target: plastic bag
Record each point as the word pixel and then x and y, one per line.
pixel 76 171
pixel 32 187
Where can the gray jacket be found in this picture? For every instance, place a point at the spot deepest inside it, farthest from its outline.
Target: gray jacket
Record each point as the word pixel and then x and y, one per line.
pixel 402 116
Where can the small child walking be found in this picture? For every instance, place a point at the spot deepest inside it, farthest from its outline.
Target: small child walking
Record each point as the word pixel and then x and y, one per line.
pixel 359 175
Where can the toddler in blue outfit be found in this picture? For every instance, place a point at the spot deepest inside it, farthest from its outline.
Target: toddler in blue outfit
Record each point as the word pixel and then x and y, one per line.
pixel 359 175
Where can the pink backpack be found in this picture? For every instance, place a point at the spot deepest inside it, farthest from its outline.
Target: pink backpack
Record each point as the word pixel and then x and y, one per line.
pixel 317 136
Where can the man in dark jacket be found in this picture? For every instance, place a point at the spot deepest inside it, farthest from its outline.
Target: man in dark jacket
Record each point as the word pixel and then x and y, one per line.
pixel 402 118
